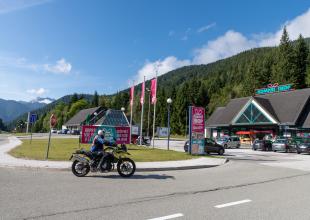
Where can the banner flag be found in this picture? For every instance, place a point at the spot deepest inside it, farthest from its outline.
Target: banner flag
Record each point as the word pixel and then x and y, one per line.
pixel 153 90
pixel 142 93
pixel 132 92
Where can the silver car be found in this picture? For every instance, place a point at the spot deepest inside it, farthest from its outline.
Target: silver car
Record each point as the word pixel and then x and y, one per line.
pixel 229 142
pixel 284 145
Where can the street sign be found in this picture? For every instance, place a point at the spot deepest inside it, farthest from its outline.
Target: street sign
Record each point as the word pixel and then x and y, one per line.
pixel 53 121
pixel 33 118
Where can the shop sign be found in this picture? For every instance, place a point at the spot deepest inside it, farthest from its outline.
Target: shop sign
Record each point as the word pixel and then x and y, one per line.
pixel 274 88
pixel 197 130
pixel 118 133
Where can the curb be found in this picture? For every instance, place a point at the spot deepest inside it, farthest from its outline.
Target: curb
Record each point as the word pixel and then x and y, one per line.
pixel 137 169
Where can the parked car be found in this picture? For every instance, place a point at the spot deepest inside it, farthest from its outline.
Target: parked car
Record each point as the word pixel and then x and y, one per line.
pixel 75 132
pixel 245 139
pixel 285 145
pixel 229 142
pixel 53 130
pixel 210 147
pixel 264 145
pixel 59 132
pixel 64 131
pixel 303 146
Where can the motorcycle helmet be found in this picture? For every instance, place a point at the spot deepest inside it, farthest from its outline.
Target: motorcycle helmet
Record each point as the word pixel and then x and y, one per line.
pixel 100 132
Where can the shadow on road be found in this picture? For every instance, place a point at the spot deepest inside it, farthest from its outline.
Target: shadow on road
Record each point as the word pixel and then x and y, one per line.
pixel 135 176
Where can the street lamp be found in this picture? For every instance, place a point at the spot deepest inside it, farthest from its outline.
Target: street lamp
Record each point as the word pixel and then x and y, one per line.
pixel 169 101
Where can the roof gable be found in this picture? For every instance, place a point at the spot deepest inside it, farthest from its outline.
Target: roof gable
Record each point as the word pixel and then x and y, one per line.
pixel 253 113
pixel 286 106
pixel 113 118
pixel 80 117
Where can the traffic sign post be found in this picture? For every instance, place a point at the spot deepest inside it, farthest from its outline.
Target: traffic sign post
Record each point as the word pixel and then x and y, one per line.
pixel 33 118
pixel 53 122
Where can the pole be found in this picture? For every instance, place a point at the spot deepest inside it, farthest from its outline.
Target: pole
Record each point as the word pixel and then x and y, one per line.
pixel 148 115
pixel 186 125
pixel 48 145
pixel 190 129
pixel 31 134
pixel 141 128
pixel 154 118
pixel 28 118
pixel 131 107
pixel 168 124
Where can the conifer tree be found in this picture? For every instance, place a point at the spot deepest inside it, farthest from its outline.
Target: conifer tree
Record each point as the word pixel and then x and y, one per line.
pixel 95 101
pixel 284 70
pixel 301 55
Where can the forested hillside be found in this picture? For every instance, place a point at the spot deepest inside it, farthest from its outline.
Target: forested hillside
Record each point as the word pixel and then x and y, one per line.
pixel 209 85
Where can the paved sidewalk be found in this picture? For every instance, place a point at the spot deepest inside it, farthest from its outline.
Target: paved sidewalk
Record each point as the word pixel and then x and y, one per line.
pixel 7 160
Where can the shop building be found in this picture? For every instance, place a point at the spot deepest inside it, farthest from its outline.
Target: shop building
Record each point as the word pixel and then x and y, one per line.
pixel 273 114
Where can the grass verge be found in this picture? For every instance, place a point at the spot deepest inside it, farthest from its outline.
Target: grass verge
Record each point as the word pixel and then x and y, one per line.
pixel 62 148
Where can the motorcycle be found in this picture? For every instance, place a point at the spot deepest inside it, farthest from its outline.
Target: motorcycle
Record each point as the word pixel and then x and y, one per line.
pixel 144 141
pixel 85 161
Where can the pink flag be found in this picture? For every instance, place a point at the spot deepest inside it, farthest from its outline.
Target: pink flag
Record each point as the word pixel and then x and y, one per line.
pixel 153 90
pixel 132 92
pixel 142 93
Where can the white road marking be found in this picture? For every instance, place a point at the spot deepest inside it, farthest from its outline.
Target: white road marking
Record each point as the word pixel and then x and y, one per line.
pixel 232 203
pixel 177 215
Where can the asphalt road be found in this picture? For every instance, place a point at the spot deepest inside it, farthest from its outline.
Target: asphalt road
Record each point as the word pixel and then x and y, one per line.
pixel 244 188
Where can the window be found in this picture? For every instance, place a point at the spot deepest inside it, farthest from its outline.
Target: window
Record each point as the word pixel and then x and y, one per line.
pixel 252 115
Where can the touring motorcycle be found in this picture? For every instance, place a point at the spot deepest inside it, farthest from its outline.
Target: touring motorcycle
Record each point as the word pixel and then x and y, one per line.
pixel 85 161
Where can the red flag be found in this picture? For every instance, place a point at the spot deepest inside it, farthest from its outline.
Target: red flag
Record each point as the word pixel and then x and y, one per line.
pixel 142 93
pixel 132 92
pixel 153 90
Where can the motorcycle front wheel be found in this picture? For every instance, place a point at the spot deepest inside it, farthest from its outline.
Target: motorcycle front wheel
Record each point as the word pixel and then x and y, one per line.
pixel 80 169
pixel 126 167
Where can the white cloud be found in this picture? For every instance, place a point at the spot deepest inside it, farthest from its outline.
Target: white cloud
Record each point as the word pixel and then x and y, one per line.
pixel 229 44
pixel 205 28
pixel 7 6
pixel 224 46
pixel 39 91
pixel 61 66
pixel 161 66
pixel 299 25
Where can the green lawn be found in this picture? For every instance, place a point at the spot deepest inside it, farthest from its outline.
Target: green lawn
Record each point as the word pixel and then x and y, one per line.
pixel 61 149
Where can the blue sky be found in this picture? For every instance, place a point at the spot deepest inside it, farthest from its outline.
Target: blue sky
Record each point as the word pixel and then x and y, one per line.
pixel 57 47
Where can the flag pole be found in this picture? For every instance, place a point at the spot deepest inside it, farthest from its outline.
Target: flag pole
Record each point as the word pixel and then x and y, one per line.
pixel 154 116
pixel 131 107
pixel 142 103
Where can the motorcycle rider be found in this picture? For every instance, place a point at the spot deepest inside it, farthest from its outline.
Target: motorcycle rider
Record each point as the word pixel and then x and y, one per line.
pixel 98 142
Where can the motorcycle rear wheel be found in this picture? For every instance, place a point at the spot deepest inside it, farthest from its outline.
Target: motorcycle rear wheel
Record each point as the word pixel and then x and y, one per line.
pixel 126 167
pixel 80 169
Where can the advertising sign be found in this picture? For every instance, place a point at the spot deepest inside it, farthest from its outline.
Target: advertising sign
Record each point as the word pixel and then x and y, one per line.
pixel 134 130
pixel 162 131
pixel 121 134
pixel 197 129
pixel 272 88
